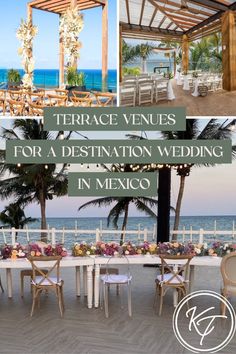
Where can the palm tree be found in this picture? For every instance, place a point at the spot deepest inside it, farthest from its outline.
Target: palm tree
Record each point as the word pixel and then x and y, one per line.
pixel 122 204
pixel 207 51
pixel 31 182
pixel 129 53
pixel 13 215
pixel 144 51
pixel 213 130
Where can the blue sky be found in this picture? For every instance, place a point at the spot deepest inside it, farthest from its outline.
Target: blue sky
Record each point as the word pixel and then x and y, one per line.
pixel 46 48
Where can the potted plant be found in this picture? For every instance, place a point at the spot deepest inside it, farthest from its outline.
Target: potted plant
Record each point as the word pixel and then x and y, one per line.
pixel 13 78
pixel 75 80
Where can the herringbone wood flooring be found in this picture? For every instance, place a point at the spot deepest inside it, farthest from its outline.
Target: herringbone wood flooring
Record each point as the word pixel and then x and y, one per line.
pixel 84 331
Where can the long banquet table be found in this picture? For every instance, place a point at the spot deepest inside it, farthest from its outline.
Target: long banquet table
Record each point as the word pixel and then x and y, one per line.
pixel 205 261
pixel 66 262
pixel 89 263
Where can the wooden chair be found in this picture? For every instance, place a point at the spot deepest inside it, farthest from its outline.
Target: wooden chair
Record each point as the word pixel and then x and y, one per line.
pixel 36 98
pixel 35 110
pixel 128 93
pixel 16 95
pixel 145 92
pixel 16 108
pixel 129 77
pixel 173 275
pixel 57 100
pixel 228 266
pixel 161 90
pixel 104 99
pixel 61 92
pixel 81 101
pixel 3 101
pixel 27 273
pixel 81 94
pixel 46 281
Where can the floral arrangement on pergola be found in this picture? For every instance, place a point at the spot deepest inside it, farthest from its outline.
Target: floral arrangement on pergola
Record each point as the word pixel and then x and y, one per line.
pixel 71 24
pixel 26 33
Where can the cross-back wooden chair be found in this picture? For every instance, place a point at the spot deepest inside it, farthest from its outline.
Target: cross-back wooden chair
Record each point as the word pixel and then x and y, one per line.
pixel 81 94
pixel 36 98
pixel 42 280
pixel 61 92
pixel 57 100
pixel 104 99
pixel 227 268
pixel 16 95
pixel 3 101
pixel 35 110
pixel 174 274
pixel 16 108
pixel 81 101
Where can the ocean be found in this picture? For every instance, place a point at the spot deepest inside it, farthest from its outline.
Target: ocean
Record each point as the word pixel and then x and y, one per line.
pixel 49 78
pixel 92 223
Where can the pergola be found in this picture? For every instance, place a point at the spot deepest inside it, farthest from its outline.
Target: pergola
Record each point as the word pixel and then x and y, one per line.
pixel 183 21
pixel 59 7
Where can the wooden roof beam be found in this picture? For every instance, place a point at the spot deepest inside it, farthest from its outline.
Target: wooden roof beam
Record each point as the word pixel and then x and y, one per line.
pixel 212 4
pixel 205 22
pixel 127 10
pixel 162 9
pixel 148 29
pixel 63 4
pixel 153 16
pixel 142 10
pixel 177 6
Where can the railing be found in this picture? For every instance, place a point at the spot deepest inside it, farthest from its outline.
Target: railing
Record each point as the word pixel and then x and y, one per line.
pixel 54 235
pixel 50 79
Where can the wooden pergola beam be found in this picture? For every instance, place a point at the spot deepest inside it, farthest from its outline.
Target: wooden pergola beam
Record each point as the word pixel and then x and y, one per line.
pixel 153 16
pixel 127 10
pixel 178 6
pixel 162 9
pixel 205 22
pixel 104 41
pixel 147 29
pixel 212 4
pixel 142 10
pixel 59 6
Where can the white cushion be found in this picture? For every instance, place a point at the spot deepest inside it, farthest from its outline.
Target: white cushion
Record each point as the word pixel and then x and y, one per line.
pixel 45 281
pixel 166 277
pixel 128 89
pixel 142 88
pixel 116 278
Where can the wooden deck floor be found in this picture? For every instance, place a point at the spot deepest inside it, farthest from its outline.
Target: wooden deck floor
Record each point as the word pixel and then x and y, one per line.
pixel 88 331
pixel 220 103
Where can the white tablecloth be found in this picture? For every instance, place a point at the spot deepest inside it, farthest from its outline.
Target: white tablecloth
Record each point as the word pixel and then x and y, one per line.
pixel 196 85
pixel 170 91
pixel 186 86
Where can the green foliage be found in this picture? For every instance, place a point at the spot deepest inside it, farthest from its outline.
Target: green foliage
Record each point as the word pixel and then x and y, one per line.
pixel 206 54
pixel 129 53
pixel 131 71
pixel 13 216
pixel 144 50
pixel 31 183
pixel 13 76
pixel 75 78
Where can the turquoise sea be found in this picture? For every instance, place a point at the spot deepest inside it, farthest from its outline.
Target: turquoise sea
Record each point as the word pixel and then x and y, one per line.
pixel 49 78
pixel 92 223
